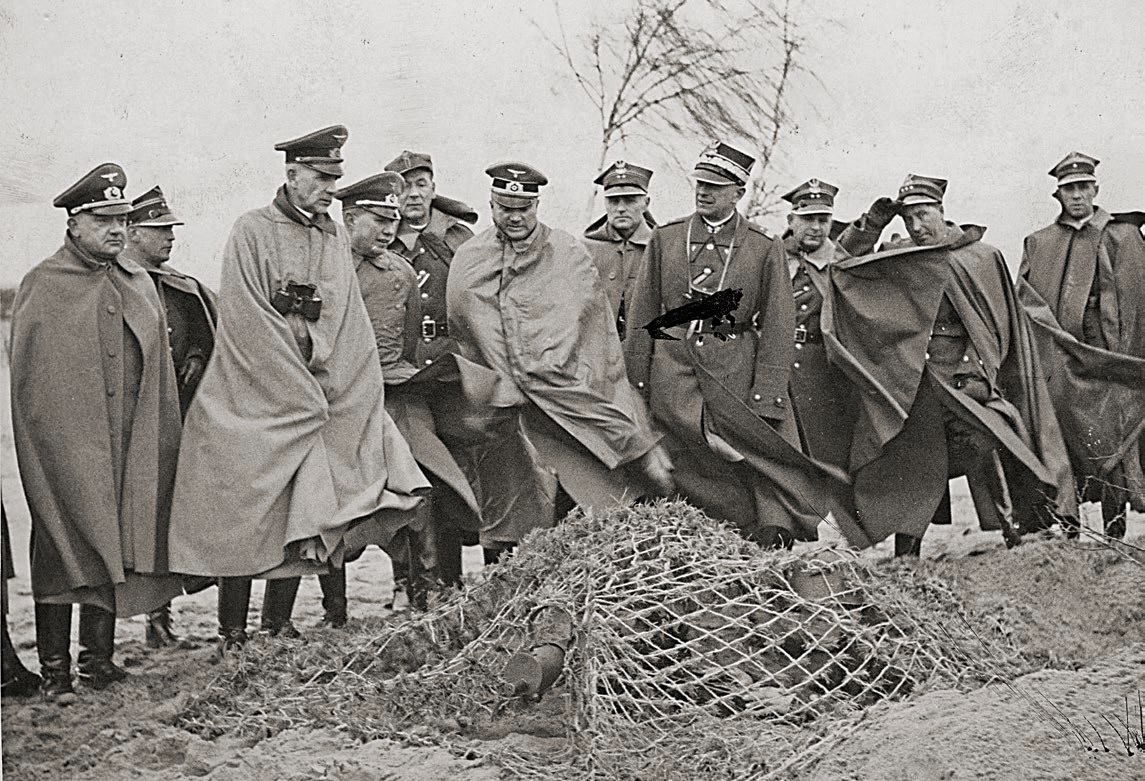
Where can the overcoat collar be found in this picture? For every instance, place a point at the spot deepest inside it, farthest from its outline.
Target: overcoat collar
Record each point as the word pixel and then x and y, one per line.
pixel 321 221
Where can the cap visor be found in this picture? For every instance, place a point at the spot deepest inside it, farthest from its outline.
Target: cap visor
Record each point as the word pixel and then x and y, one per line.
pixel 626 189
pixel 330 169
pixel 802 210
pixel 512 201
pixel 1071 178
pixel 382 211
pixel 159 222
pixel 109 210
pixel 710 177
pixel 912 200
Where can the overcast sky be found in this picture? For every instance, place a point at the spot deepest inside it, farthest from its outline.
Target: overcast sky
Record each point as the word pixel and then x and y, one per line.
pixel 193 96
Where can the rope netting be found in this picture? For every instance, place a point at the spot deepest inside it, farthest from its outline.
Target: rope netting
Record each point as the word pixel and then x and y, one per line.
pixel 683 651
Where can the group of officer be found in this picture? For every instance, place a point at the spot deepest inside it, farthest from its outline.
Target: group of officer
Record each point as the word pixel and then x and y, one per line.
pixel 395 380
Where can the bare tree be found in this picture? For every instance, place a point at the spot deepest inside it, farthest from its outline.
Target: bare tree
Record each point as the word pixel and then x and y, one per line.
pixel 676 71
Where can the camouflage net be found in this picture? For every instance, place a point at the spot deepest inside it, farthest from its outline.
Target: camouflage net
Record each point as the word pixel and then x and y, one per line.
pixel 692 653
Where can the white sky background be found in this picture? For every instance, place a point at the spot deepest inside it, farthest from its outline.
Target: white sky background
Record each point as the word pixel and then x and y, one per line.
pixel 193 95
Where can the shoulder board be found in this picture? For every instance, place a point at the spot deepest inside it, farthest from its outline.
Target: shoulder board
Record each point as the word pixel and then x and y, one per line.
pixel 677 221
pixel 759 229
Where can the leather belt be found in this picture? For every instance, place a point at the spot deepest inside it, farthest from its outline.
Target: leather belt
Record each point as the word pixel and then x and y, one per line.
pixel 432 329
pixel 802 335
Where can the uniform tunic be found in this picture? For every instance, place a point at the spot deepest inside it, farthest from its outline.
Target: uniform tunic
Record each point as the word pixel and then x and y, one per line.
pixel 95 414
pixel 686 258
pixel 535 313
pixel 825 407
pixel 617 261
pixel 430 251
pixel 287 444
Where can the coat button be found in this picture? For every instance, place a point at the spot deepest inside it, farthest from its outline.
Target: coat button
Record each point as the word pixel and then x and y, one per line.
pixel 795 365
pixel 779 401
pixel 926 356
pixel 111 352
pixel 803 307
pixel 798 346
pixel 428 361
pixel 424 296
pixel 966 359
pixel 111 391
pixel 110 309
pixel 757 397
pixel 639 385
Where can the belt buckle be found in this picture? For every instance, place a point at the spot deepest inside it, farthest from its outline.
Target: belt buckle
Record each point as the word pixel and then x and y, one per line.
pixel 801 334
pixel 428 328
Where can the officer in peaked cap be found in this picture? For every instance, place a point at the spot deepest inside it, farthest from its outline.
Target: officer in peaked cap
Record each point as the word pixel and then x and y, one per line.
pixel 718 249
pixel 526 301
pixel 97 492
pixel 320 150
pixel 1088 267
pixel 191 313
pixel 388 285
pixel 974 363
pixel 823 398
pixel 432 228
pixel 617 240
pixel 295 345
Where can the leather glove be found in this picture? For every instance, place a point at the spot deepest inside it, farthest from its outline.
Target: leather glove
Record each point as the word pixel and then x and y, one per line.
pixel 880 214
pixel 657 467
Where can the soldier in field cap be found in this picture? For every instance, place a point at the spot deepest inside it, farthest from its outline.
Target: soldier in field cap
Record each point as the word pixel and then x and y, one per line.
pixel 1084 276
pixel 617 240
pixel 191 314
pixel 526 301
pixel 952 385
pixel 431 230
pixel 730 369
pixel 287 447
pixel 97 458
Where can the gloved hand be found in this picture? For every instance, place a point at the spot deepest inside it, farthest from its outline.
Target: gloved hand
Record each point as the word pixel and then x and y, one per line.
pixel 657 467
pixel 191 370
pixel 880 214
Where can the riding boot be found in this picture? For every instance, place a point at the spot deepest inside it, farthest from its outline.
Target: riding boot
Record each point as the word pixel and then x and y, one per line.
pixel 159 632
pixel 18 680
pixel 234 601
pixel 334 597
pixel 772 537
pixel 277 607
pixel 97 646
pixel 907 545
pixel 53 641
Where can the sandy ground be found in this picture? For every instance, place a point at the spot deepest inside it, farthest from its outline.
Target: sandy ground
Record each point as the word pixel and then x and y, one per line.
pixel 1078 612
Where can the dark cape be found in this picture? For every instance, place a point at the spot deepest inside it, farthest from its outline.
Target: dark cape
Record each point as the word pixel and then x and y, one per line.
pixel 877 321
pixel 95 412
pixel 1099 392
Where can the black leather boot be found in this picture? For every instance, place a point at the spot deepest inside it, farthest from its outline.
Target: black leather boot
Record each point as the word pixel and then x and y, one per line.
pixel 277 607
pixel 159 632
pixel 234 602
pixel 334 597
pixel 907 545
pixel 53 641
pixel 97 646
pixel 18 680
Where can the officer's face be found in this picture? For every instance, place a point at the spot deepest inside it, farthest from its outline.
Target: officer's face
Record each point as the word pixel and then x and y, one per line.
pixel 1077 198
pixel 925 222
pixel 100 236
pixel 625 212
pixel 310 190
pixel 516 222
pixel 370 233
pixel 418 195
pixel 154 244
pixel 717 201
pixel 810 230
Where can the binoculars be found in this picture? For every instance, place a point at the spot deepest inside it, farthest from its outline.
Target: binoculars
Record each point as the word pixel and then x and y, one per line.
pixel 295 298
